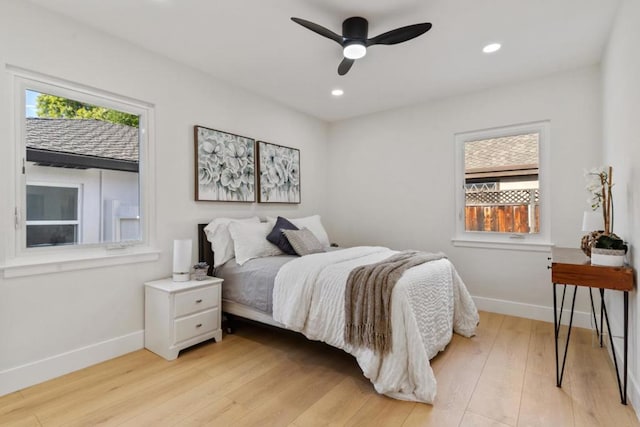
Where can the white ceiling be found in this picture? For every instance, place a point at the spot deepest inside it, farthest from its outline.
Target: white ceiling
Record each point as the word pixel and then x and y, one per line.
pixel 253 44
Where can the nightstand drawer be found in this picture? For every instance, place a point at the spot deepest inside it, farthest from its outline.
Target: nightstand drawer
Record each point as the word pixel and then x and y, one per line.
pixel 196 300
pixel 195 325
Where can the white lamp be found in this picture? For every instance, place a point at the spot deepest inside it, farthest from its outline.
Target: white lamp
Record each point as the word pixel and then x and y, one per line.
pixel 592 221
pixel 181 260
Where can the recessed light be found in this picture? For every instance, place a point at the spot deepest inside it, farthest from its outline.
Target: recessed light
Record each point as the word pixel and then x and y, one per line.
pixel 337 92
pixel 490 48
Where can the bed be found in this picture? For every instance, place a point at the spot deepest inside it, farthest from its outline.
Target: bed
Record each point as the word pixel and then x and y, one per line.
pixel 235 275
pixel 306 294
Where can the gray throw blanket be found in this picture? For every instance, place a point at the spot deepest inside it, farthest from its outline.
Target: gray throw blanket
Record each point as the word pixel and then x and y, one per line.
pixel 367 302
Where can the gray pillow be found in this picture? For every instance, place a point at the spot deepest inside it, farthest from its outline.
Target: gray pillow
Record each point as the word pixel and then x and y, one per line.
pixel 303 241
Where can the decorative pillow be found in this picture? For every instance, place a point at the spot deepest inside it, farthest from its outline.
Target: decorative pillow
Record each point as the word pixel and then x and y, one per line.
pixel 313 224
pixel 250 241
pixel 221 242
pixel 303 241
pixel 278 238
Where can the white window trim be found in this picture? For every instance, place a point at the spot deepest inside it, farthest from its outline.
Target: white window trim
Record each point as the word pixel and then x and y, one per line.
pixel 514 241
pixel 21 261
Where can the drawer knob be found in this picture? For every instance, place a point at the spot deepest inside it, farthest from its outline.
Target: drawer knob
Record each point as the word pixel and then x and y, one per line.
pixel 199 325
pixel 198 301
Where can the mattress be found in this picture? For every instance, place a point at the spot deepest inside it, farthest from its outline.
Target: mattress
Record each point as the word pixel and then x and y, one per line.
pixel 252 283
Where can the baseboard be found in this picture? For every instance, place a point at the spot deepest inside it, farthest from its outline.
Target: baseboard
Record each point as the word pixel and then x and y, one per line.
pixel 581 319
pixel 26 375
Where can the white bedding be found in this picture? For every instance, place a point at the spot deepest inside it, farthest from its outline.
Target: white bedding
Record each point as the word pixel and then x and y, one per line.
pixel 429 302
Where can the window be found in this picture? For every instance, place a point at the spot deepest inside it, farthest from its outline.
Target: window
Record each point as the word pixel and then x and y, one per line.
pixel 501 186
pixel 52 215
pixel 83 144
pixel 84 176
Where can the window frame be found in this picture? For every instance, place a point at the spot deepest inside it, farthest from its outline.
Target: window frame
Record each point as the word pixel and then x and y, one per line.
pixel 23 261
pixel 488 239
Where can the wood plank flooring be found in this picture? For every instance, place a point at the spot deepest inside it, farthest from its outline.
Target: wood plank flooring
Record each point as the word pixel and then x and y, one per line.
pixel 262 376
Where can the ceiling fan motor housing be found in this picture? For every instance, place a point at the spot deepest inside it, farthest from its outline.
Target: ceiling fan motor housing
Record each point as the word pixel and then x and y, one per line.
pixel 355 28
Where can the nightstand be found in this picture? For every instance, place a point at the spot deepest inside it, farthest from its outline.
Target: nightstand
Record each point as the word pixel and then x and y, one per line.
pixel 178 315
pixel 571 267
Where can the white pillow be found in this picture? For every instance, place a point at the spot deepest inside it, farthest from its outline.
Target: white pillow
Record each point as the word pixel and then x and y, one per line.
pixel 217 232
pixel 312 223
pixel 250 241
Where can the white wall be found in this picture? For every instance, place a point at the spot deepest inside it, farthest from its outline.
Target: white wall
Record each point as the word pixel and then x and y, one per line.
pixel 46 321
pixel 621 110
pixel 391 180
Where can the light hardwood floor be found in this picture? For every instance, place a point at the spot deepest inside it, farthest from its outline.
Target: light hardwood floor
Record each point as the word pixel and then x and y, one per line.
pixel 262 376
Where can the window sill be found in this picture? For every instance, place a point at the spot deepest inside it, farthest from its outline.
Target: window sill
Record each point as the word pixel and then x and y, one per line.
pixel 501 244
pixel 57 263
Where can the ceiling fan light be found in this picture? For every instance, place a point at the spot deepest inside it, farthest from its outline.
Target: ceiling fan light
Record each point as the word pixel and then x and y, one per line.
pixel 354 51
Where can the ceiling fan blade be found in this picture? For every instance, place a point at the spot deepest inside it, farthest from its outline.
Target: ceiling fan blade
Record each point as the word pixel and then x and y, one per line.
pixel 400 35
pixel 345 66
pixel 319 29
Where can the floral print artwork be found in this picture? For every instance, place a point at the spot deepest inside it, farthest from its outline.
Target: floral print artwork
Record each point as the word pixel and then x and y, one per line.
pixel 279 169
pixel 226 166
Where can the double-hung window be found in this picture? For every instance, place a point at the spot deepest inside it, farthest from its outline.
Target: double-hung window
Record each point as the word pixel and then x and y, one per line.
pixel 84 173
pixel 502 187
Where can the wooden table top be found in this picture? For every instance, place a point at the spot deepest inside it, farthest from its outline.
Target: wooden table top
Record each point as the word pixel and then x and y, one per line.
pixel 571 266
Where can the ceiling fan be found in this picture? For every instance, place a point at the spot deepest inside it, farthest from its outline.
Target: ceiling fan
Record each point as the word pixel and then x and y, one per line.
pixel 354 39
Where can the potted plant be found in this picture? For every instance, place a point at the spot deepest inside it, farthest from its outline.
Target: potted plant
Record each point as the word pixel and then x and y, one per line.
pixel 605 247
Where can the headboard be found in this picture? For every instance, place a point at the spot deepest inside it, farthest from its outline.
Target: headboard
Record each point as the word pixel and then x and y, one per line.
pixel 205 253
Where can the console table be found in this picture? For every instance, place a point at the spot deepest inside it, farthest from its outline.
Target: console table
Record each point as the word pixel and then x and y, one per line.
pixel 571 267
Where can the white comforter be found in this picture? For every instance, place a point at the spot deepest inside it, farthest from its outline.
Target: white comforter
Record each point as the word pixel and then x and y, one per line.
pixel 429 302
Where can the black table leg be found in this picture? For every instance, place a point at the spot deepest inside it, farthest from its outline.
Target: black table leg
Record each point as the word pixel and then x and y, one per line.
pixel 626 342
pixel 601 313
pixel 623 393
pixel 595 320
pixel 560 370
pixel 559 322
pixel 555 330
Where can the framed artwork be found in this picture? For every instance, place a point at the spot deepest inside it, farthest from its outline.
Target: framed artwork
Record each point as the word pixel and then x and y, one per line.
pixel 225 166
pixel 279 173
